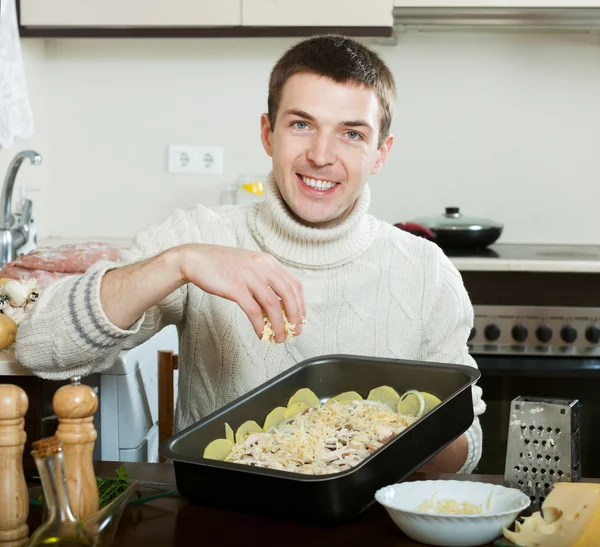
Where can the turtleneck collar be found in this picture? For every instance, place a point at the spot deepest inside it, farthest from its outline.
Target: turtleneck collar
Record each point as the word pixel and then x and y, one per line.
pixel 292 242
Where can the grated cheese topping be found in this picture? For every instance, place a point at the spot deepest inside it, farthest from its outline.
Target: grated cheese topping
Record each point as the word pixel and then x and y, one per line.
pixel 328 439
pixel 268 335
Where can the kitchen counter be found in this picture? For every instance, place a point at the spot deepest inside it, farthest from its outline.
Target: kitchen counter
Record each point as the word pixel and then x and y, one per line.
pixel 514 257
pixel 504 257
pixel 121 242
pixel 172 521
pixel 475 264
pixel 9 366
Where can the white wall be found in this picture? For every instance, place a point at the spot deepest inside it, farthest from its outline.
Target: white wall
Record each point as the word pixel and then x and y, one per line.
pixel 505 126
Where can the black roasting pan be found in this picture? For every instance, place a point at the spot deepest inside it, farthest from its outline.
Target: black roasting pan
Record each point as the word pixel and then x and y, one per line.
pixel 342 496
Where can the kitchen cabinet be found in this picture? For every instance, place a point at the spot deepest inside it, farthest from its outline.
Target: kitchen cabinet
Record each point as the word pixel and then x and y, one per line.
pixel 524 4
pixel 129 13
pixel 521 14
pixel 203 18
pixel 317 13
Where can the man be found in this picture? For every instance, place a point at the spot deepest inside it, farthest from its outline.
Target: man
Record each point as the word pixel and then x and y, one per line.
pixel 361 285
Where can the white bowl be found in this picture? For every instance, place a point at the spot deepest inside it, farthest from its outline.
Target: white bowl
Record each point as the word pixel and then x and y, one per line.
pixel 500 507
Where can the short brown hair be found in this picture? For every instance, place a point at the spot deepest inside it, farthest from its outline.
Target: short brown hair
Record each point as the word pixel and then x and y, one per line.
pixel 341 59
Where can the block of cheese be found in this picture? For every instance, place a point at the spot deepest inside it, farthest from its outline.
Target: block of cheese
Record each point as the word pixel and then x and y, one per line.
pixel 570 517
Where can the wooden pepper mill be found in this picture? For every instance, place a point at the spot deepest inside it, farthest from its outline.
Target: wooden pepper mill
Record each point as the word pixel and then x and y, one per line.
pixel 75 405
pixel 14 498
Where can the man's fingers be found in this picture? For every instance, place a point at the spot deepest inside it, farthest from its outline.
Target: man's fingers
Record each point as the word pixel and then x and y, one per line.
pixel 271 305
pixel 252 309
pixel 286 290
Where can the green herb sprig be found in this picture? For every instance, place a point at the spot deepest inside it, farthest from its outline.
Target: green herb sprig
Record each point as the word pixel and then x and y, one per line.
pixel 112 487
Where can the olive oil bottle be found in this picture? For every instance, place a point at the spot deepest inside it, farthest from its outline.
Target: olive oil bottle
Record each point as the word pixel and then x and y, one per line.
pixel 60 528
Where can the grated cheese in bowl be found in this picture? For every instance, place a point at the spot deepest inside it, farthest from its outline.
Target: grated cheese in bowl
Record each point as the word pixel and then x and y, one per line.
pixel 450 507
pixel 323 440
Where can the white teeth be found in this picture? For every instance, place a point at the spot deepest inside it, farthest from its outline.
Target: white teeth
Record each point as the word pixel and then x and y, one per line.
pixel 318 184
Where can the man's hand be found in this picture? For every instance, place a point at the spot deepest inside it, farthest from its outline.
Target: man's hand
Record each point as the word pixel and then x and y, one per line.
pixel 449 460
pixel 255 281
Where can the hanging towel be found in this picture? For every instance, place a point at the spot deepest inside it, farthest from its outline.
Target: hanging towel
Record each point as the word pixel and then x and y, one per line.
pixel 16 119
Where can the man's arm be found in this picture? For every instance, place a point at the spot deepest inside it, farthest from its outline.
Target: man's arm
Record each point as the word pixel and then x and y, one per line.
pixel 127 293
pixel 449 460
pixel 255 281
pixel 79 324
pixel 445 336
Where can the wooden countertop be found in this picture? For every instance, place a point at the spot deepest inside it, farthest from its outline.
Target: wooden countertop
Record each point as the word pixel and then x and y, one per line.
pixel 172 521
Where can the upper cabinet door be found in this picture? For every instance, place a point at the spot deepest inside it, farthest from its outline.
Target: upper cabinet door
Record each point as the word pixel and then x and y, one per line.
pixel 317 13
pixel 497 4
pixel 130 13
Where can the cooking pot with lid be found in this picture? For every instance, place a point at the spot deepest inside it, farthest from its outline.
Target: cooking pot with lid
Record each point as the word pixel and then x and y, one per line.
pixel 453 230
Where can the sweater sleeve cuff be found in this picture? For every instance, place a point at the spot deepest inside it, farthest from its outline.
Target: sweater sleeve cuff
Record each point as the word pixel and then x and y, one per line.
pixel 474 446
pixel 87 315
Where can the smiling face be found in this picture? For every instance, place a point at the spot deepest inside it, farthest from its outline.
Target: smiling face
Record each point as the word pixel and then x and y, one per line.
pixel 324 146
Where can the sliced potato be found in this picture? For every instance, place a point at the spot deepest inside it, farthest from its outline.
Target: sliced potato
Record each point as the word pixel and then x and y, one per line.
pixel 245 429
pixel 306 396
pixel 274 418
pixel 229 433
pixel 431 400
pixel 386 395
pixel 294 409
pixel 218 449
pixel 346 397
pixel 417 403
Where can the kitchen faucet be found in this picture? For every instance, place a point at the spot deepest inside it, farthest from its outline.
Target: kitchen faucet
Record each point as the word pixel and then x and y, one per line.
pixel 13 233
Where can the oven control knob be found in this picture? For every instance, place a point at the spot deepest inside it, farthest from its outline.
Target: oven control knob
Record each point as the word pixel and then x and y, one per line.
pixel 568 334
pixel 544 333
pixel 592 335
pixel 492 332
pixel 520 333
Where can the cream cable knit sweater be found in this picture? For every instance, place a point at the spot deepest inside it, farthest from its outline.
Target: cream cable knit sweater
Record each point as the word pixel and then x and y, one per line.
pixel 370 289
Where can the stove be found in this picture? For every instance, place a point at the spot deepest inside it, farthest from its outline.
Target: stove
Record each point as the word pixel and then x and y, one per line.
pixel 510 251
pixel 536 333
pixel 533 299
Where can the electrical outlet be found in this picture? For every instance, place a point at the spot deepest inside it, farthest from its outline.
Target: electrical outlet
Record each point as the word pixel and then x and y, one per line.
pixel 203 160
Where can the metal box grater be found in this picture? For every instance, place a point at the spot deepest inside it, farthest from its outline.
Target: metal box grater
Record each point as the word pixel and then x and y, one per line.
pixel 543 446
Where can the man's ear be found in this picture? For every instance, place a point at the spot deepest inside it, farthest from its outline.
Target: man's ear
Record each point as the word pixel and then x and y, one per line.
pixel 382 154
pixel 266 134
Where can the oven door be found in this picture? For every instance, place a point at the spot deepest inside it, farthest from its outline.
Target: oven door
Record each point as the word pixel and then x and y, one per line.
pixel 505 377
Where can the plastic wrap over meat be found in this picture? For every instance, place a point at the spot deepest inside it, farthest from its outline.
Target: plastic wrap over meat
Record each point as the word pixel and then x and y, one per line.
pixel 47 264
pixel 43 277
pixel 70 258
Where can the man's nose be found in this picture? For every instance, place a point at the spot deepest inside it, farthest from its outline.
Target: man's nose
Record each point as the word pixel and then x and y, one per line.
pixel 322 150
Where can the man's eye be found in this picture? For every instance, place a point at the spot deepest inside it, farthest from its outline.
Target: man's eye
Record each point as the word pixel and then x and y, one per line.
pixel 353 135
pixel 300 125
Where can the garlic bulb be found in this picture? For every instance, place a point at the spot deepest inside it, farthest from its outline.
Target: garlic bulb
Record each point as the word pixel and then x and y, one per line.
pixel 15 292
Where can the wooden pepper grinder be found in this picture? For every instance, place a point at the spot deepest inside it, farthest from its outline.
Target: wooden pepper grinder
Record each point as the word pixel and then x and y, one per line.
pixel 14 499
pixel 75 405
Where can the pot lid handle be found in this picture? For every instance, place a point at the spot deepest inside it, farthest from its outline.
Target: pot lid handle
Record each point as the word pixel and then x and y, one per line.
pixel 452 211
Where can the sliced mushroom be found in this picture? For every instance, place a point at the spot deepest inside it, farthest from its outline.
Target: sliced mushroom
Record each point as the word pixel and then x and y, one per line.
pixel 32 296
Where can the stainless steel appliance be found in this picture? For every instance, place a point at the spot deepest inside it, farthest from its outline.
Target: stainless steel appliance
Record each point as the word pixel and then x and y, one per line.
pixel 536 334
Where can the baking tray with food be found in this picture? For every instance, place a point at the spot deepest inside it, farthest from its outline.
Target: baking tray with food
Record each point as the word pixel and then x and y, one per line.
pixel 228 460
